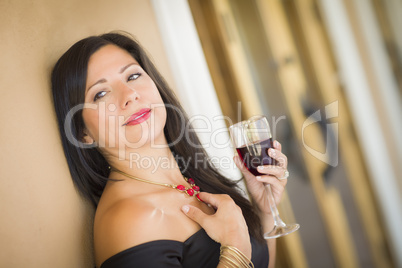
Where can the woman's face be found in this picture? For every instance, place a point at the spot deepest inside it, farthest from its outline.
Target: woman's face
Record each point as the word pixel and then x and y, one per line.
pixel 123 108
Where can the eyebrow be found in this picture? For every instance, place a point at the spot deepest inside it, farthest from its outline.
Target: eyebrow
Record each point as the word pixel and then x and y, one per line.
pixel 103 80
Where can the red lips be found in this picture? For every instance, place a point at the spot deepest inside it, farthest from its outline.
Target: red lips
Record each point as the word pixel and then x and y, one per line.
pixel 139 117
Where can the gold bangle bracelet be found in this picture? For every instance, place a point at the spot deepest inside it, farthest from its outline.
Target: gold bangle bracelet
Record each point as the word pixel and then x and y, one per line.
pixel 238 258
pixel 235 257
pixel 234 262
pixel 231 263
pixel 235 251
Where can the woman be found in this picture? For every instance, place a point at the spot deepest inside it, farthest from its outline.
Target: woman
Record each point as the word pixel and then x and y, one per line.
pixel 130 117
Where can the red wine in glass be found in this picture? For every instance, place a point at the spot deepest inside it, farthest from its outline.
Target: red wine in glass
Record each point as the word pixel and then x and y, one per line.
pixel 252 161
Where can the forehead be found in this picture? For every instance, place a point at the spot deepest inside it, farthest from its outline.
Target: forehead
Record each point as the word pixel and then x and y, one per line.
pixel 107 58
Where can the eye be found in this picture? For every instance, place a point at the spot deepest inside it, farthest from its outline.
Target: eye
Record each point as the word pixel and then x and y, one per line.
pixel 134 76
pixel 99 95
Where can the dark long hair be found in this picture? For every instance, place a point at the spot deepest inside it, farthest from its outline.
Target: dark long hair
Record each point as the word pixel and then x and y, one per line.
pixel 89 169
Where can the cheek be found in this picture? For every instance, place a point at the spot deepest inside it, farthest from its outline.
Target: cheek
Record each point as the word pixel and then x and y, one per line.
pixel 103 126
pixel 94 123
pixel 160 109
pixel 159 122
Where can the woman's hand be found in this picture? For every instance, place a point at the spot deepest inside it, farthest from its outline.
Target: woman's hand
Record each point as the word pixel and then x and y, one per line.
pixel 273 175
pixel 227 226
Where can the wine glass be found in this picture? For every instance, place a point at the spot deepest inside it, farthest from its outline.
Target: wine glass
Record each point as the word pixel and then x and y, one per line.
pixel 252 139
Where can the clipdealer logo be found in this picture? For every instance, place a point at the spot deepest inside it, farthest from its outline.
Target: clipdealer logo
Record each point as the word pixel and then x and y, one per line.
pixel 330 156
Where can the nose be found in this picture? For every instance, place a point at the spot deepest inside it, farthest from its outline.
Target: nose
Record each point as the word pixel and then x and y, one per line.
pixel 128 95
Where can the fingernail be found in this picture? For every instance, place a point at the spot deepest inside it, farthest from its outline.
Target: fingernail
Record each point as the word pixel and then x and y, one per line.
pixel 258 177
pixel 260 167
pixel 185 209
pixel 272 152
pixel 276 144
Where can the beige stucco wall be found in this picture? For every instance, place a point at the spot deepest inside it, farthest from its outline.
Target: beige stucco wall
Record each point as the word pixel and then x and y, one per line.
pixel 43 222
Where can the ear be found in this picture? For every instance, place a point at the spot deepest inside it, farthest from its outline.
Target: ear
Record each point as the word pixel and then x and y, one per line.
pixel 87 139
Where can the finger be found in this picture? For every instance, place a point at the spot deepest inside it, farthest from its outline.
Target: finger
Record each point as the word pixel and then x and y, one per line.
pixel 273 181
pixel 213 199
pixel 194 213
pixel 277 171
pixel 277 145
pixel 278 156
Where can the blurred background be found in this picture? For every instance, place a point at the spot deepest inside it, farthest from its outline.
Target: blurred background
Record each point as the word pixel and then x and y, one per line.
pixel 326 73
pixel 334 70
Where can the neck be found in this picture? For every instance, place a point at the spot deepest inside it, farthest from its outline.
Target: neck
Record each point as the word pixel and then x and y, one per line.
pixel 154 164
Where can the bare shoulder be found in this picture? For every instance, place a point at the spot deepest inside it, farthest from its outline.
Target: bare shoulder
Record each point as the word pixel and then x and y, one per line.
pixel 125 224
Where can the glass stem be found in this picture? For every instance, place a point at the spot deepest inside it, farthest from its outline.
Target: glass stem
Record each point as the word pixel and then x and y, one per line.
pixel 274 209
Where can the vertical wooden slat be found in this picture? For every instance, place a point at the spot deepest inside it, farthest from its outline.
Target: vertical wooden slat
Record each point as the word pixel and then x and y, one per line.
pixel 216 57
pixel 238 61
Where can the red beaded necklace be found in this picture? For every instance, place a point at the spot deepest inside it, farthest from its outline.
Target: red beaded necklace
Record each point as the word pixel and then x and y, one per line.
pixel 193 190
